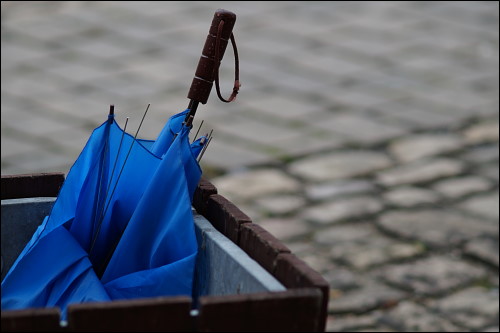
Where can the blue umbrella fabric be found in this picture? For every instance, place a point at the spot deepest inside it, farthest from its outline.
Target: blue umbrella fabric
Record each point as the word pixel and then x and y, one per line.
pixel 121 227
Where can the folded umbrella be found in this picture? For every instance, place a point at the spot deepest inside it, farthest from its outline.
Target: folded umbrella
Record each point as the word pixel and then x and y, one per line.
pixel 122 225
pixel 62 250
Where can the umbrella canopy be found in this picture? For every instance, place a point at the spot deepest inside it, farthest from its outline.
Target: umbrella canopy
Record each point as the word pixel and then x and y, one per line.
pixel 148 219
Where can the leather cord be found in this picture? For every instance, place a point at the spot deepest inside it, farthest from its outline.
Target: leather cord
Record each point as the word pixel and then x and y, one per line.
pixel 217 60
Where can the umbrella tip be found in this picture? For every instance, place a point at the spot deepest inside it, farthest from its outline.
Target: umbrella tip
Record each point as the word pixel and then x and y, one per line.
pixel 111 110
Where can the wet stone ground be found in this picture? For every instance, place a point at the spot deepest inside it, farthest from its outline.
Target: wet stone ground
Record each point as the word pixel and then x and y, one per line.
pixel 365 136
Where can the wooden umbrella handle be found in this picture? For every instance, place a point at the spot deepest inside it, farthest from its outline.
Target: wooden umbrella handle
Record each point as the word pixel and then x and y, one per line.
pixel 219 34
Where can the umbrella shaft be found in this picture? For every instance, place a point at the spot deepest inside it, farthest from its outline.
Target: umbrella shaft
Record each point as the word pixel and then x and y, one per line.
pixel 193 106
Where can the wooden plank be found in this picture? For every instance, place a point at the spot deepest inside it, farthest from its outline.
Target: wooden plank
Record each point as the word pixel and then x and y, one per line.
pixel 159 314
pixel 225 216
pixel 261 245
pixel 31 320
pixel 288 311
pixel 203 191
pixel 295 273
pixel 31 185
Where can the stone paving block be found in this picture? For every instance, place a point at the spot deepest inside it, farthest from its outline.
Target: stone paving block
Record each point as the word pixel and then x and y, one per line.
pixel 420 171
pixel 276 42
pixel 32 83
pixel 284 228
pixel 280 204
pixel 432 276
pixel 86 69
pixel 229 157
pixel 483 205
pixel 342 210
pixel 483 83
pixel 16 54
pixel 71 141
pixel 46 161
pixel 474 308
pixel 255 183
pixel 339 165
pixel 56 26
pixel 457 187
pixel 256 131
pixel 420 100
pixel 342 279
pixel 309 143
pixel 290 81
pixel 482 154
pixel 361 246
pixel 379 328
pixel 128 86
pixel 435 227
pixel 413 115
pixel 11 146
pixel 350 323
pixel 411 317
pixel 163 72
pixel 365 96
pixel 409 196
pixel 359 128
pixel 482 132
pixel 484 248
pixel 301 247
pixel 338 188
pixel 416 147
pixel 319 261
pixel 326 61
pixel 464 102
pixel 487 110
pixel 282 106
pixel 490 171
pixel 346 233
pixel 369 296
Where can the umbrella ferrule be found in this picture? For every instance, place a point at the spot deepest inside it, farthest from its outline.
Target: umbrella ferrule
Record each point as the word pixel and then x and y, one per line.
pixel 111 114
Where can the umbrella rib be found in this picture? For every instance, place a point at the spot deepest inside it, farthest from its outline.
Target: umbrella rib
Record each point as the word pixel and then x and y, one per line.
pixel 114 167
pixel 101 172
pixel 206 146
pixel 204 149
pixel 117 155
pixel 116 183
pixel 198 131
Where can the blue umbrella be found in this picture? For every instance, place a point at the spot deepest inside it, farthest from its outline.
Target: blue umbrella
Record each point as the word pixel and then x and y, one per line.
pixel 61 250
pixel 122 225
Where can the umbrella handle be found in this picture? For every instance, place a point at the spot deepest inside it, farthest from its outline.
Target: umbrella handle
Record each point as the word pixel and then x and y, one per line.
pixel 208 66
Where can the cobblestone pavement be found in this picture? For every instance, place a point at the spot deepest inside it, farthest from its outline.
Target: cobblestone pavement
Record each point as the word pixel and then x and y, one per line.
pixel 365 135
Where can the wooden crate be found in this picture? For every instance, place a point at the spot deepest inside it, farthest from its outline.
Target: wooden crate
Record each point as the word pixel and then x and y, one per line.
pixel 245 280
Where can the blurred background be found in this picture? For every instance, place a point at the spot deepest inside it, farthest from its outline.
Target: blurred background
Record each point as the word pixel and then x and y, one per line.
pixel 365 135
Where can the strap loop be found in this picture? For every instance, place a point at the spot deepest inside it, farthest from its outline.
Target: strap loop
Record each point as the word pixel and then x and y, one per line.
pixel 217 60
